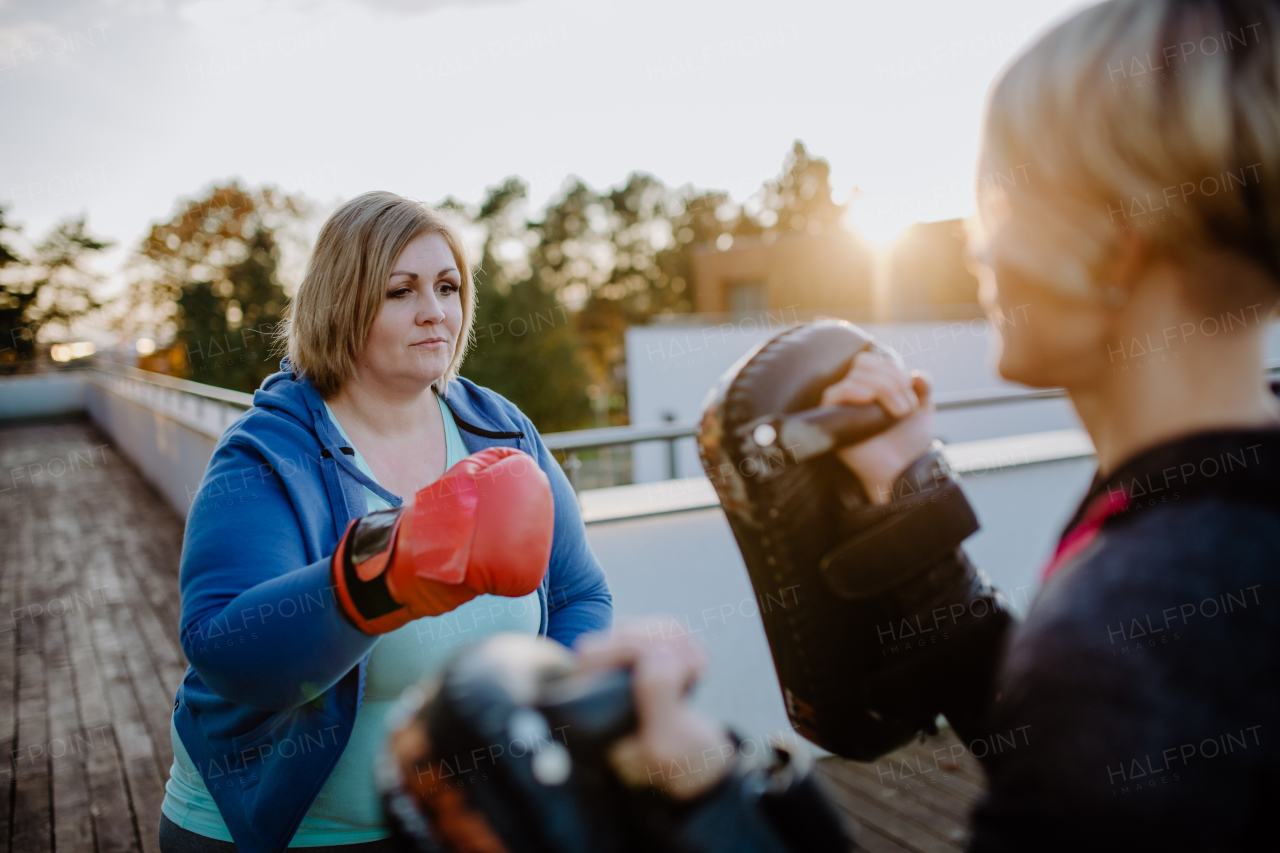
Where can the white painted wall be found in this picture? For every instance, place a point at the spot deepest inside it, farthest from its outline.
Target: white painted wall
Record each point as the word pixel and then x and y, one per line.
pixel 169 452
pixel 687 566
pixel 41 395
pixel 671 368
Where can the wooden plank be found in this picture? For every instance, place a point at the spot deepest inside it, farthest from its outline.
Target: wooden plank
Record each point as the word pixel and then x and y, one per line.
pixel 141 702
pixel 136 753
pixel 158 552
pixel 159 625
pixel 109 803
pixel 72 820
pixel 937 751
pixel 866 838
pixel 153 667
pixel 931 790
pixel 946 826
pixel 953 783
pixel 128 616
pixel 32 805
pixel 914 786
pixel 153 699
pixel 887 822
pixel 112 816
pixel 32 808
pixel 58 566
pixel 137 703
pixel 874 842
pixel 941 814
pixel 17 531
pixel 112 663
pixel 140 658
pixel 153 559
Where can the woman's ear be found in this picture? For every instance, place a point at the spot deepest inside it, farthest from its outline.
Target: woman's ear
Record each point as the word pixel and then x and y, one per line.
pixel 1122 270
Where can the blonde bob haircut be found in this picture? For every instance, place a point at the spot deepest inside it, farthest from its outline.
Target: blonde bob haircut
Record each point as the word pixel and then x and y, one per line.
pixel 329 319
pixel 1160 117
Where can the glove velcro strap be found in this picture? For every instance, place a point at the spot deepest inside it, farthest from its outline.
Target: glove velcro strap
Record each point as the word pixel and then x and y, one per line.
pixel 911 535
pixel 368 605
pixel 768 802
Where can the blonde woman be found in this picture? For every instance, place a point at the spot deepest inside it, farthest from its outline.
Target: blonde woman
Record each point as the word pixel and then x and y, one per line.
pixel 371 513
pixel 1136 706
pixel 1137 247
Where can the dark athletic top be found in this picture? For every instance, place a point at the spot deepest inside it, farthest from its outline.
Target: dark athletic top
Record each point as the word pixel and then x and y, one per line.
pixel 1138 705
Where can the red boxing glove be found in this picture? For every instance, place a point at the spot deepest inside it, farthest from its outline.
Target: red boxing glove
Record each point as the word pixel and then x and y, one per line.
pixel 484 527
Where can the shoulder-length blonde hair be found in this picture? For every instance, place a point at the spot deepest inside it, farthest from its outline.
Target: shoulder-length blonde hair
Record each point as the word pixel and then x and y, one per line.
pixel 1156 117
pixel 329 319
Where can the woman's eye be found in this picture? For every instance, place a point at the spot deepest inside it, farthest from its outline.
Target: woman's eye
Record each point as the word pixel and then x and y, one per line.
pixel 398 293
pixel 449 287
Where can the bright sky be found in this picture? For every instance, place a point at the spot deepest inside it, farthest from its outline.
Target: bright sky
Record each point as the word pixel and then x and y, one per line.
pixel 115 108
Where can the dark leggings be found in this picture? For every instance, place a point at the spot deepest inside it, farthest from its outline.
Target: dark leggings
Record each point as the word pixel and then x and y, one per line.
pixel 175 839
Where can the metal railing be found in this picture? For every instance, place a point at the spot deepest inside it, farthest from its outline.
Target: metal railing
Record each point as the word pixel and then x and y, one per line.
pixel 211 409
pixel 204 408
pixel 573 443
pixel 186 386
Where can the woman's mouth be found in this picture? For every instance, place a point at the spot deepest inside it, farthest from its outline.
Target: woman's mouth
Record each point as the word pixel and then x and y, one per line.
pixel 430 343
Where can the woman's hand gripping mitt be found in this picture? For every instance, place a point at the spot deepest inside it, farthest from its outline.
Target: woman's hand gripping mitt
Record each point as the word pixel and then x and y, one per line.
pixel 484 527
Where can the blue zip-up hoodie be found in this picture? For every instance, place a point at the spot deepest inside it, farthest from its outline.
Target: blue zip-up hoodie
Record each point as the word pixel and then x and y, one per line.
pixel 277 674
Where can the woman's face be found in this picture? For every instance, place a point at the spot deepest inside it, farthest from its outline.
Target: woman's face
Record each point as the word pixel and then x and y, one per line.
pixel 1045 338
pixel 415 334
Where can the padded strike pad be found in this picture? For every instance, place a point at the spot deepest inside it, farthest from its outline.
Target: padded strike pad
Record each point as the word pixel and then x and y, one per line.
pixel 826 648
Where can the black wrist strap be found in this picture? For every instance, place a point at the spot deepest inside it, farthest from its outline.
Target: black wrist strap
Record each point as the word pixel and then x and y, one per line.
pixel 768 803
pixel 798 810
pixel 928 518
pixel 371 535
pixel 726 818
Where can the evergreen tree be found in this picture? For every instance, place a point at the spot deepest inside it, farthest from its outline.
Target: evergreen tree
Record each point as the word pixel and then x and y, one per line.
pixel 52 287
pixel 799 199
pixel 524 345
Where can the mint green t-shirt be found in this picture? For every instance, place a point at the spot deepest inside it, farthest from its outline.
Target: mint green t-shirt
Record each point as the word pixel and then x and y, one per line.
pixel 347 810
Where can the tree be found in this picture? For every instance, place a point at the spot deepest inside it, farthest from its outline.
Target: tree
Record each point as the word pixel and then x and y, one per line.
pixel 799 199
pixel 524 344
pixel 626 256
pixel 53 287
pixel 596 263
pixel 641 261
pixel 555 294
pixel 211 276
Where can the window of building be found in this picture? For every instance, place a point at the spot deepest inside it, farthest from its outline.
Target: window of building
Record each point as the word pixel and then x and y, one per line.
pixel 746 297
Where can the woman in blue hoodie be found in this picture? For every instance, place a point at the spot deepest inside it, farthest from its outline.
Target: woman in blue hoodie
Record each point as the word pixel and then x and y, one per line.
pixel 279 715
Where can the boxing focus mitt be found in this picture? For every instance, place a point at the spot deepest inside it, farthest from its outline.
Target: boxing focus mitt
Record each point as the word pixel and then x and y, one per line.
pixel 876 619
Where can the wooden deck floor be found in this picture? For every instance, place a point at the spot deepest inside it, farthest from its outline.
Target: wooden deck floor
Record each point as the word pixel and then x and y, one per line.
pixel 915 799
pixel 90 661
pixel 89 649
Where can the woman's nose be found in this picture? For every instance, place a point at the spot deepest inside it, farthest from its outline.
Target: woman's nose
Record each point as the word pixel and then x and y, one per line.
pixel 430 310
